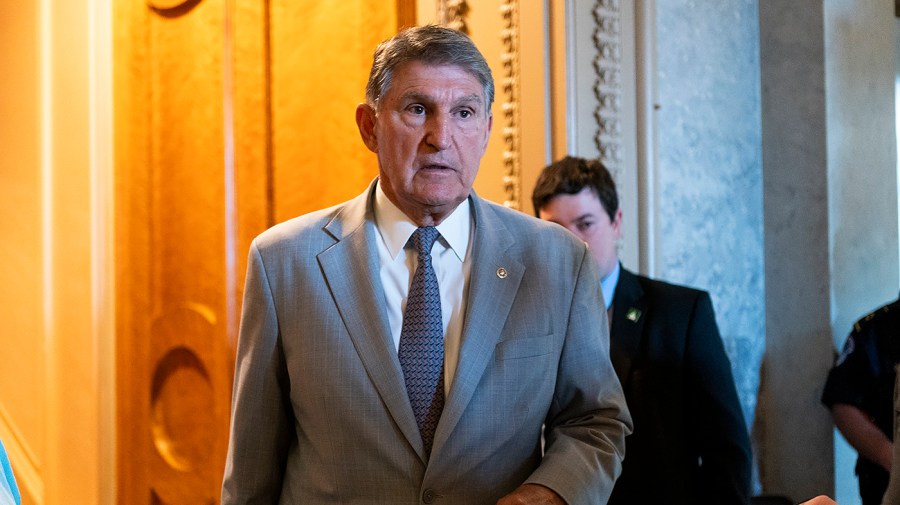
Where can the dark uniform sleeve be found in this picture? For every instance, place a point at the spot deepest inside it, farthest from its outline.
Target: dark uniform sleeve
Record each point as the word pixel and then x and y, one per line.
pixel 854 372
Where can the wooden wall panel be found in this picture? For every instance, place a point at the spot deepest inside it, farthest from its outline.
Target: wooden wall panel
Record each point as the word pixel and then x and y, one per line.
pixel 175 360
pixel 321 54
pixel 23 413
pixel 248 144
pixel 190 389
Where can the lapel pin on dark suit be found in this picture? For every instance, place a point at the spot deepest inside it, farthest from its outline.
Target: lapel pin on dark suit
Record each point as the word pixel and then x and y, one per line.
pixel 501 273
pixel 633 315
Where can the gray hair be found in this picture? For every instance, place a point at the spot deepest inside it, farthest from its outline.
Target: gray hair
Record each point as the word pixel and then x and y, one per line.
pixel 433 45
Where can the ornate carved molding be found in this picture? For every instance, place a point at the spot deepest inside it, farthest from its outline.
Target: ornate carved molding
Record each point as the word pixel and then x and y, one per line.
pixel 607 85
pixel 510 86
pixel 452 14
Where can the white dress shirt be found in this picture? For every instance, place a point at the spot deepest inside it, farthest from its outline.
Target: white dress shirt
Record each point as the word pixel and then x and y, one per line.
pixel 449 257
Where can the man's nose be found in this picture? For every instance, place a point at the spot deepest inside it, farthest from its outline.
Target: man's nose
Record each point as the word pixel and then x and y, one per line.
pixel 439 134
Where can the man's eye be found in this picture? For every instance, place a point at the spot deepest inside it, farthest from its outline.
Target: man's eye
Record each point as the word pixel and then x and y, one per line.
pixel 465 114
pixel 584 225
pixel 417 109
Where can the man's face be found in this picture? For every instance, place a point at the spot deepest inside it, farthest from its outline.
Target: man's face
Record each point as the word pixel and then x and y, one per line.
pixel 583 215
pixel 430 132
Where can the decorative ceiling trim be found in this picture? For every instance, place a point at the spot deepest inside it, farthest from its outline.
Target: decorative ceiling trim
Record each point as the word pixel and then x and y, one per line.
pixel 608 85
pixel 509 35
pixel 452 14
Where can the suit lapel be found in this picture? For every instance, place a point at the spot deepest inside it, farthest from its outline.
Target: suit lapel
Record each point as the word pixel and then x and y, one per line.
pixel 493 282
pixel 629 314
pixel 351 269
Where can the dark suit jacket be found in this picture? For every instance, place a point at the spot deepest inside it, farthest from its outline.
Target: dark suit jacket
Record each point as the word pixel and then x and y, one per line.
pixel 690 444
pixel 320 412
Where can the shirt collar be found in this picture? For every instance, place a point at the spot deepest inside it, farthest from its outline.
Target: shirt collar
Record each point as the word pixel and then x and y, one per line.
pixel 396 227
pixel 608 284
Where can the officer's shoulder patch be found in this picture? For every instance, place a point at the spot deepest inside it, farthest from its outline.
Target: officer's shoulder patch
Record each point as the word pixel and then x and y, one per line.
pixel 849 347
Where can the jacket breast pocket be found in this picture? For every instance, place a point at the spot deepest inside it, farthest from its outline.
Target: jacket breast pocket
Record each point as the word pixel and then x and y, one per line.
pixel 519 348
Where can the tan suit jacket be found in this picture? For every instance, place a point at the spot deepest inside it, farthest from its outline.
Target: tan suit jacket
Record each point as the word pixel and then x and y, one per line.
pixel 320 412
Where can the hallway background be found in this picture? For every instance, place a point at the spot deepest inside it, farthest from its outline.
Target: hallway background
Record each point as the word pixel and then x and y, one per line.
pixel 144 143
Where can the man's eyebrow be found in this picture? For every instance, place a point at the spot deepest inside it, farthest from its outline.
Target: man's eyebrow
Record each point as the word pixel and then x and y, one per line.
pixel 417 96
pixel 471 98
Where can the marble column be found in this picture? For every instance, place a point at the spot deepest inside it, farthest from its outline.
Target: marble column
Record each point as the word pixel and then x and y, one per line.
pixel 793 432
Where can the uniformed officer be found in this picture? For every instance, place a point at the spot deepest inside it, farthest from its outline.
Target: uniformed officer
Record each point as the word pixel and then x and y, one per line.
pixel 859 392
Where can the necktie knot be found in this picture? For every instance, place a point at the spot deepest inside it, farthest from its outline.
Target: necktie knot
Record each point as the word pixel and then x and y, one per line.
pixel 423 239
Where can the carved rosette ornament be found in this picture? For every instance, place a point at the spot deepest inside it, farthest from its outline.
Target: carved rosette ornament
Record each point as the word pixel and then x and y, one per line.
pixel 452 14
pixel 607 85
pixel 510 86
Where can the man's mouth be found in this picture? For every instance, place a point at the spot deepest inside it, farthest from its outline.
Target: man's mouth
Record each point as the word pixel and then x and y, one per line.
pixel 434 167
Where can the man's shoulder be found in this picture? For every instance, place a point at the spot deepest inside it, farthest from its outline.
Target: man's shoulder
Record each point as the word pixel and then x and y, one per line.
pixel 874 339
pixel 301 228
pixel 525 226
pixel 886 317
pixel 510 217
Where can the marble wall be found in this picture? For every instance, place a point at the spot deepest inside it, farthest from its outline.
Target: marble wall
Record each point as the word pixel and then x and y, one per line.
pixel 775 188
pixel 708 176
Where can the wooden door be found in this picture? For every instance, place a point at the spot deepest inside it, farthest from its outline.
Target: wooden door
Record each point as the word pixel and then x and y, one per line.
pixel 230 115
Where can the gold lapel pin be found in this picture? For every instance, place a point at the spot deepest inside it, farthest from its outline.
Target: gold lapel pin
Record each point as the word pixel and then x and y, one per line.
pixel 633 314
pixel 502 273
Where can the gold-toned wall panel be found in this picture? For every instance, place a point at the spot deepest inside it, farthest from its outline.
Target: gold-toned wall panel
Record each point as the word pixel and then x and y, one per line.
pixel 248 157
pixel 20 229
pixel 176 189
pixel 188 269
pixel 321 53
pixel 186 421
pixel 22 384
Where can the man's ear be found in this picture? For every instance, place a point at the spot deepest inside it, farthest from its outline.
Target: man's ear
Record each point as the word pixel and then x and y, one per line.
pixel 617 224
pixel 365 121
pixel 487 136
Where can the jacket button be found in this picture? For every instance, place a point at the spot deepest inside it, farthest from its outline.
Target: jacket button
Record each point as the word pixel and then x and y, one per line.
pixel 428 496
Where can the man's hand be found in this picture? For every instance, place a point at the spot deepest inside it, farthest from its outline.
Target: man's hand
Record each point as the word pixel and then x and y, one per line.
pixel 532 494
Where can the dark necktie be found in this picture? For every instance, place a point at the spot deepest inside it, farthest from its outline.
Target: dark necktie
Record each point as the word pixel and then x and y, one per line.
pixel 422 340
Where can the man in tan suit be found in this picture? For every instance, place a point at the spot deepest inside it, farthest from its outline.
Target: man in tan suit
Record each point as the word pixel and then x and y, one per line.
pixel 374 369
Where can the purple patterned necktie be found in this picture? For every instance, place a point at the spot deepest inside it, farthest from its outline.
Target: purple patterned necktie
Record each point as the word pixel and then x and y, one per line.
pixel 422 341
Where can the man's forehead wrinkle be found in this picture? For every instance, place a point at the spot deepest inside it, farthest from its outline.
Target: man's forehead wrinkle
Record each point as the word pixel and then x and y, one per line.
pixel 420 96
